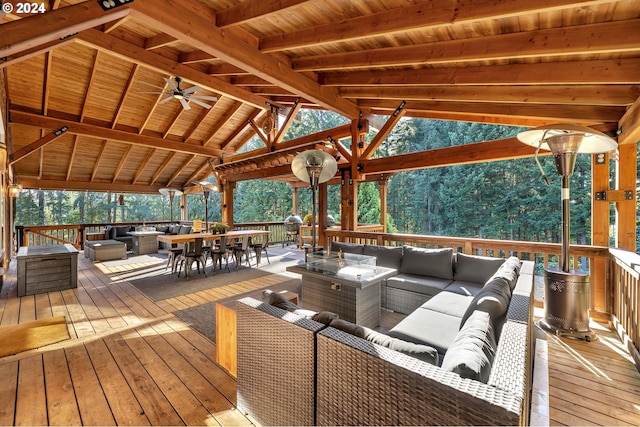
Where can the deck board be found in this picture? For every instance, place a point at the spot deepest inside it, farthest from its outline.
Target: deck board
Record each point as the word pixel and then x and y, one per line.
pixel 131 361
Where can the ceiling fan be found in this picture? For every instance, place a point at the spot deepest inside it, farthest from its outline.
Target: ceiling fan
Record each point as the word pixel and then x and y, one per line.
pixel 185 96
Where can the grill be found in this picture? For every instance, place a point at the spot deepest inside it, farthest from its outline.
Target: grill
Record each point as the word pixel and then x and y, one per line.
pixel 292 229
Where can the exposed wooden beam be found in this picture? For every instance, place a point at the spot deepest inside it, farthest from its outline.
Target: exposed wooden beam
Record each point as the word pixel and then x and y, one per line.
pixel 35 120
pixel 629 125
pixel 160 40
pixel 125 93
pixel 240 129
pixel 36 145
pixel 596 72
pixel 431 14
pixel 384 132
pixel 173 121
pixel 180 169
pixel 121 163
pixel 52 184
pixel 39 29
pixel 150 155
pixel 194 56
pixel 202 35
pixel 607 37
pixel 562 113
pixel 94 172
pixel 204 113
pixel 252 9
pixel 162 167
pixel 31 53
pixel 259 132
pixel 222 121
pixel 46 82
pixel 74 146
pixel 288 121
pixel 161 64
pixel 87 92
pixel 545 94
pixel 198 175
pixel 502 149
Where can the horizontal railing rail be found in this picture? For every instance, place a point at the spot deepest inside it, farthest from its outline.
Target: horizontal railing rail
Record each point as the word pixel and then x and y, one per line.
pixel 626 299
pixel 591 259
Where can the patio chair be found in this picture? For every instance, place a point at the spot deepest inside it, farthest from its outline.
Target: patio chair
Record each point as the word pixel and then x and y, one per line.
pixel 242 248
pixel 218 253
pixel 192 253
pixel 259 248
pixel 173 254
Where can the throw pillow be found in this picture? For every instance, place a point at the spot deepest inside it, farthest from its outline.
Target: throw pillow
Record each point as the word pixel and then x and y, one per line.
pixel 277 300
pixel 475 268
pixel 427 262
pixel 349 248
pixel 422 352
pixel 509 271
pixel 472 352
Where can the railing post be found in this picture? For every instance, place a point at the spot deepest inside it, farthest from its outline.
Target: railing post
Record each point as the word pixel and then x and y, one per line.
pixel 19 236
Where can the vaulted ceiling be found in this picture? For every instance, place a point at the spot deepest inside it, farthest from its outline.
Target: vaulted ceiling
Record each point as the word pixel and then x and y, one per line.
pixel 74 77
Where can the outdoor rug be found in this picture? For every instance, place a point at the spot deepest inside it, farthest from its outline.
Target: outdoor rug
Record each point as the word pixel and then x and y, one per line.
pixel 37 333
pixel 158 284
pixel 203 317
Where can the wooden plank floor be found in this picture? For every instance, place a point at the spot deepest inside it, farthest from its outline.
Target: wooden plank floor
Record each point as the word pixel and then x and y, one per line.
pixel 130 361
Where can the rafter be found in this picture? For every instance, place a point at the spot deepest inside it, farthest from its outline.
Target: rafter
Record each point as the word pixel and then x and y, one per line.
pixel 198 175
pixel 31 53
pixel 36 145
pixel 46 87
pixel 36 30
pixel 545 94
pixel 94 172
pixel 53 184
pixel 204 113
pixel 150 155
pixel 240 129
pixel 161 64
pixel 384 132
pixel 74 145
pixel 222 122
pixel 125 93
pixel 202 35
pixel 173 121
pixel 121 163
pixel 180 169
pixel 161 169
pixel 87 92
pixel 252 9
pixel 613 37
pixel 288 121
pixel 559 112
pixel 35 120
pixel 431 14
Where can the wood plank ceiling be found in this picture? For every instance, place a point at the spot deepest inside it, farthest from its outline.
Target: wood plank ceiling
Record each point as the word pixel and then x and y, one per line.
pixel 78 119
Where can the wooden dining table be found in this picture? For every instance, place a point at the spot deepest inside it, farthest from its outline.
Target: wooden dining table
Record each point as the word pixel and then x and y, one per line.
pixel 191 237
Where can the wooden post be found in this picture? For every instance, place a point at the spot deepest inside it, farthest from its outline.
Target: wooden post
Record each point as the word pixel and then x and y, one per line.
pixel 626 209
pixel 382 184
pixel 184 208
pixel 227 203
pixel 294 199
pixel 357 146
pixel 600 224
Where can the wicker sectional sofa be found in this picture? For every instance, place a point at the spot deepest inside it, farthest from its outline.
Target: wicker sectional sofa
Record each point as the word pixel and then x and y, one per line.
pixel 297 368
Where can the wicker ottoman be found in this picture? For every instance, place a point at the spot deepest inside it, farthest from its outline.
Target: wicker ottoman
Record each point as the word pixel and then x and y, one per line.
pixel 105 250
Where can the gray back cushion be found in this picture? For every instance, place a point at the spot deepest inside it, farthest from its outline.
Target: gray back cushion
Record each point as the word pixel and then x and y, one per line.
pixel 350 248
pixel 474 268
pixel 121 230
pixel 427 262
pixel 493 299
pixel 509 271
pixel 185 229
pixel 386 256
pixel 472 352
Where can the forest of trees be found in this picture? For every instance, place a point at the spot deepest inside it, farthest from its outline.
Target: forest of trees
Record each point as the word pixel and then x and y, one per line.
pixel 500 200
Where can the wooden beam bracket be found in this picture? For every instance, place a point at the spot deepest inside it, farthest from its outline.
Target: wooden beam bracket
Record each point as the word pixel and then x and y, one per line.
pixel 614 195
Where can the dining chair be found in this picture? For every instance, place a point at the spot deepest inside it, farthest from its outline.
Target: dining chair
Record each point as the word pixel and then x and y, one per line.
pixel 260 247
pixel 242 248
pixel 192 253
pixel 173 255
pixel 218 253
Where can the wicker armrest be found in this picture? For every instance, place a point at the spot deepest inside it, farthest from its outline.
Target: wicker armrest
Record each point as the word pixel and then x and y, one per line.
pixel 360 383
pixel 276 364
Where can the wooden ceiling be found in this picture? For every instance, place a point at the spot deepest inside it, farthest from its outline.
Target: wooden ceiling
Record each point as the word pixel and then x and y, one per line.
pixel 78 119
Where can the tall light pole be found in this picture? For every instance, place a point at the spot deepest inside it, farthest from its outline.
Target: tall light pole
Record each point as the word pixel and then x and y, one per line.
pixel 171 192
pixel 207 188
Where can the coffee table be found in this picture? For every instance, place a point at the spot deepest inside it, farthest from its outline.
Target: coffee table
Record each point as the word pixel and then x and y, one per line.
pixel 348 286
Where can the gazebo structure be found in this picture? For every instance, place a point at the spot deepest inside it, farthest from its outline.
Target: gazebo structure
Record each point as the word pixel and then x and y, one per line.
pixel 119 95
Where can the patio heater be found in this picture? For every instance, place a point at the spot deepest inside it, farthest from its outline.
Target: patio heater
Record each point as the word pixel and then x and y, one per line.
pixel 567 293
pixel 314 167
pixel 207 188
pixel 171 192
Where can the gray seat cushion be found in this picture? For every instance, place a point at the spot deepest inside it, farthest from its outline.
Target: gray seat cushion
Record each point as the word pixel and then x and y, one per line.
pixel 493 299
pixel 386 256
pixel 420 284
pixel 427 262
pixel 428 327
pixel 464 288
pixel 472 352
pixel 474 268
pixel 448 303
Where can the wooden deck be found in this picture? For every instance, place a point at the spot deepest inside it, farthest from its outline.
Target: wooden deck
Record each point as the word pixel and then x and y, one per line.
pixel 131 361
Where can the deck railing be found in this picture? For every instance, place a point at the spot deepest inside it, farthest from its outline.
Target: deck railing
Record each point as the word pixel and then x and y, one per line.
pixel 626 299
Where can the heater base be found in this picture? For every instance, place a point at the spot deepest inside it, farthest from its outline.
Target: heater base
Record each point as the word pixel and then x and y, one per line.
pixel 566 305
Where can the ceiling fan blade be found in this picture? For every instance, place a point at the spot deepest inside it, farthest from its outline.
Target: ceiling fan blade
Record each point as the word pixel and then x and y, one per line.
pixel 185 104
pixel 171 84
pixel 167 99
pixel 192 89
pixel 204 97
pixel 200 103
pixel 151 84
pixel 153 93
